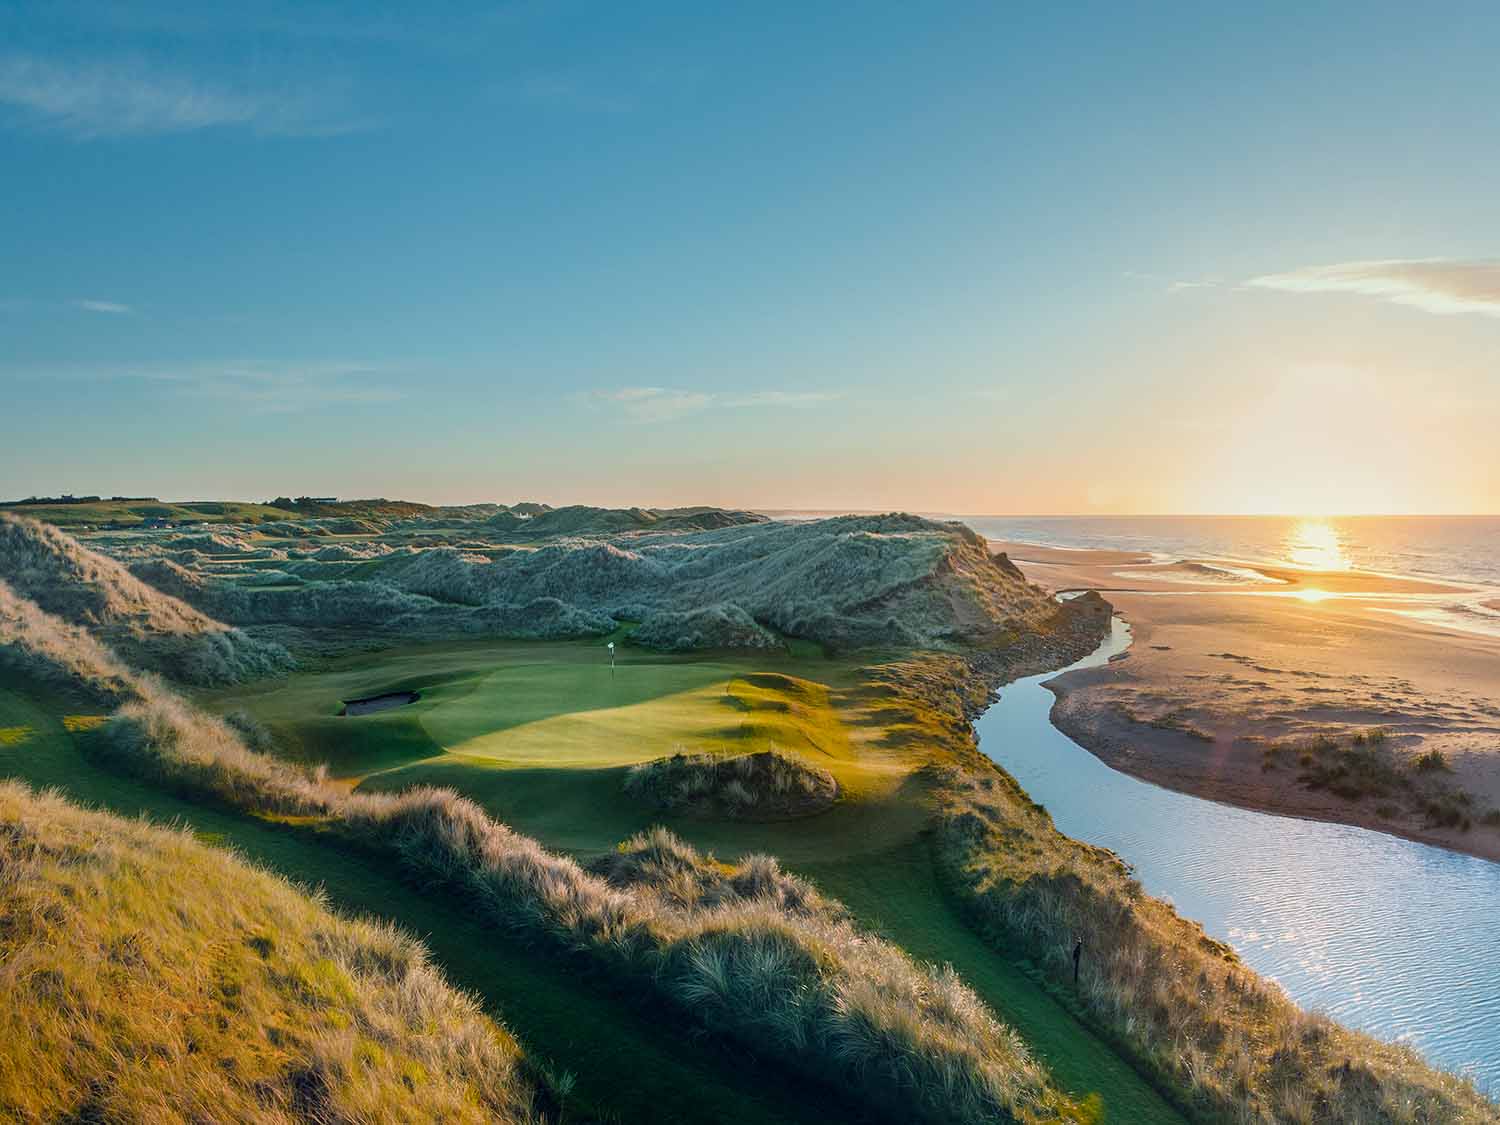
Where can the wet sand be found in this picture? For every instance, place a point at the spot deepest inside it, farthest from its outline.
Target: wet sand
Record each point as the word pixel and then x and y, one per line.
pixel 1226 663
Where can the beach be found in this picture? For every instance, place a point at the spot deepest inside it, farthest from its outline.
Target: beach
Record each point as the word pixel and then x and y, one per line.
pixel 1320 694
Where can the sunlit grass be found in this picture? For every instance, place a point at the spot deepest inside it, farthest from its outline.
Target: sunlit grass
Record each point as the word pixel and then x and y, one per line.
pixel 147 977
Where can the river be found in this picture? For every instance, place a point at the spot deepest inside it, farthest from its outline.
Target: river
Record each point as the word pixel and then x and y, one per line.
pixel 1396 938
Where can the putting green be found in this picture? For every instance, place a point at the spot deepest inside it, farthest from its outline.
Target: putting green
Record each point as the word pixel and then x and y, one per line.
pixel 579 715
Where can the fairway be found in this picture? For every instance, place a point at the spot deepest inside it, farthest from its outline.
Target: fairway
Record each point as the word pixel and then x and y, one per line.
pixel 541 735
pixel 626 1065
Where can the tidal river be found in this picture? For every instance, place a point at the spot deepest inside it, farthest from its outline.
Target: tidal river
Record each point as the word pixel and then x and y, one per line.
pixel 1395 938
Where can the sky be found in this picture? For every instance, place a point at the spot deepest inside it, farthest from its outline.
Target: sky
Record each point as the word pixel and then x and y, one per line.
pixel 959 257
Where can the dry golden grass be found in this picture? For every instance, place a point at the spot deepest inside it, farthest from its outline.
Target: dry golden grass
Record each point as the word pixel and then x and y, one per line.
pixel 153 629
pixel 147 977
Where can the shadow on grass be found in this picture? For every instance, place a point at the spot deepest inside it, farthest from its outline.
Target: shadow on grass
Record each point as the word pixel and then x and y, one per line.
pixel 631 1061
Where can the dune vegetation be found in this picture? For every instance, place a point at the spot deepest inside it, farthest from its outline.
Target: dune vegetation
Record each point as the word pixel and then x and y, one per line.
pixel 802 987
pixel 813 995
pixel 768 784
pixel 691 579
pixel 147 977
pixel 151 629
pixel 874 751
pixel 1225 1043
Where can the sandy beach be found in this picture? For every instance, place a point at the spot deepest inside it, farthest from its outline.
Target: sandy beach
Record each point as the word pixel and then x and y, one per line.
pixel 1251 685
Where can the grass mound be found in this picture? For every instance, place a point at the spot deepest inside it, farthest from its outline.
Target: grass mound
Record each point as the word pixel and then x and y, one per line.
pixel 150 628
pixel 37 645
pixel 147 977
pixel 769 785
pixel 1229 1042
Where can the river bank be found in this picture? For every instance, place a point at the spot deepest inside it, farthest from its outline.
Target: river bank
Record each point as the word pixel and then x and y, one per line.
pixel 1340 696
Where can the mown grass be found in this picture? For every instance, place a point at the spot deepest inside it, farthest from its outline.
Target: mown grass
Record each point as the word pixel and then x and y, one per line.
pixel 904 744
pixel 862 734
pixel 623 1063
pixel 805 988
pixel 146 977
pixel 810 991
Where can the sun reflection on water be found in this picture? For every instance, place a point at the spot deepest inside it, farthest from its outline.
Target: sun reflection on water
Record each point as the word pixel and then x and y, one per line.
pixel 1315 544
pixel 1312 594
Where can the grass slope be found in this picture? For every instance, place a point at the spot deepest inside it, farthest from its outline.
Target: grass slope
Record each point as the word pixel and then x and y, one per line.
pixel 760 959
pixel 1226 1043
pixel 152 629
pixel 563 783
pixel 620 1061
pixel 144 976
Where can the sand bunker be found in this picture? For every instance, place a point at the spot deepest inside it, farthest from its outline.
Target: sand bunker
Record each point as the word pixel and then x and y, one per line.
pixel 370 704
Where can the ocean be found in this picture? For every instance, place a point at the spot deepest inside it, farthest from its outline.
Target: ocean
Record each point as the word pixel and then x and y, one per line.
pixel 1456 548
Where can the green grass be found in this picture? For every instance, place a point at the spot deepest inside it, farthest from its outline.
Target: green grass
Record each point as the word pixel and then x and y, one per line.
pixel 627 1064
pixel 542 737
pixel 896 892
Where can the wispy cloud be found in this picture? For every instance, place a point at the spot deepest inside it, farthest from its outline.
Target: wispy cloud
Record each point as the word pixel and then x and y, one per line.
pixel 1174 285
pixel 663 404
pixel 101 306
pixel 126 97
pixel 1435 285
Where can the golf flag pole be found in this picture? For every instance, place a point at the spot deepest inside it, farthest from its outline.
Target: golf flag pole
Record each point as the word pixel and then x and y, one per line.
pixel 611 659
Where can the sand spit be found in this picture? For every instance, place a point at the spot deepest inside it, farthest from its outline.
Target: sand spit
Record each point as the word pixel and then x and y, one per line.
pixel 1310 698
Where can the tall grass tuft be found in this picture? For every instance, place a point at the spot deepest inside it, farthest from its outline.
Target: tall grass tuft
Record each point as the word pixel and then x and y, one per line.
pixel 1228 1044
pixel 147 977
pixel 765 785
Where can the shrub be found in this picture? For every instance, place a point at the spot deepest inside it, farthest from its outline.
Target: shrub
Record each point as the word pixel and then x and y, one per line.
pixel 1434 761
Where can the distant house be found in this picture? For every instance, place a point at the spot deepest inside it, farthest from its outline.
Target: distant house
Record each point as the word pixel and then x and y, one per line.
pixel 323 499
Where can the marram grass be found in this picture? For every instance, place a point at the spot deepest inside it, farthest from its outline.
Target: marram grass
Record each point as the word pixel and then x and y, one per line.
pixel 145 976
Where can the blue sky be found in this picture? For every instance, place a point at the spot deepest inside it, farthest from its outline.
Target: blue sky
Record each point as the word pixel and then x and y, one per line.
pixel 963 257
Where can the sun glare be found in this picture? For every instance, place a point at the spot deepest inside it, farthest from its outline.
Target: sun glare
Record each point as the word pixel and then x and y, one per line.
pixel 1314 544
pixel 1312 594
